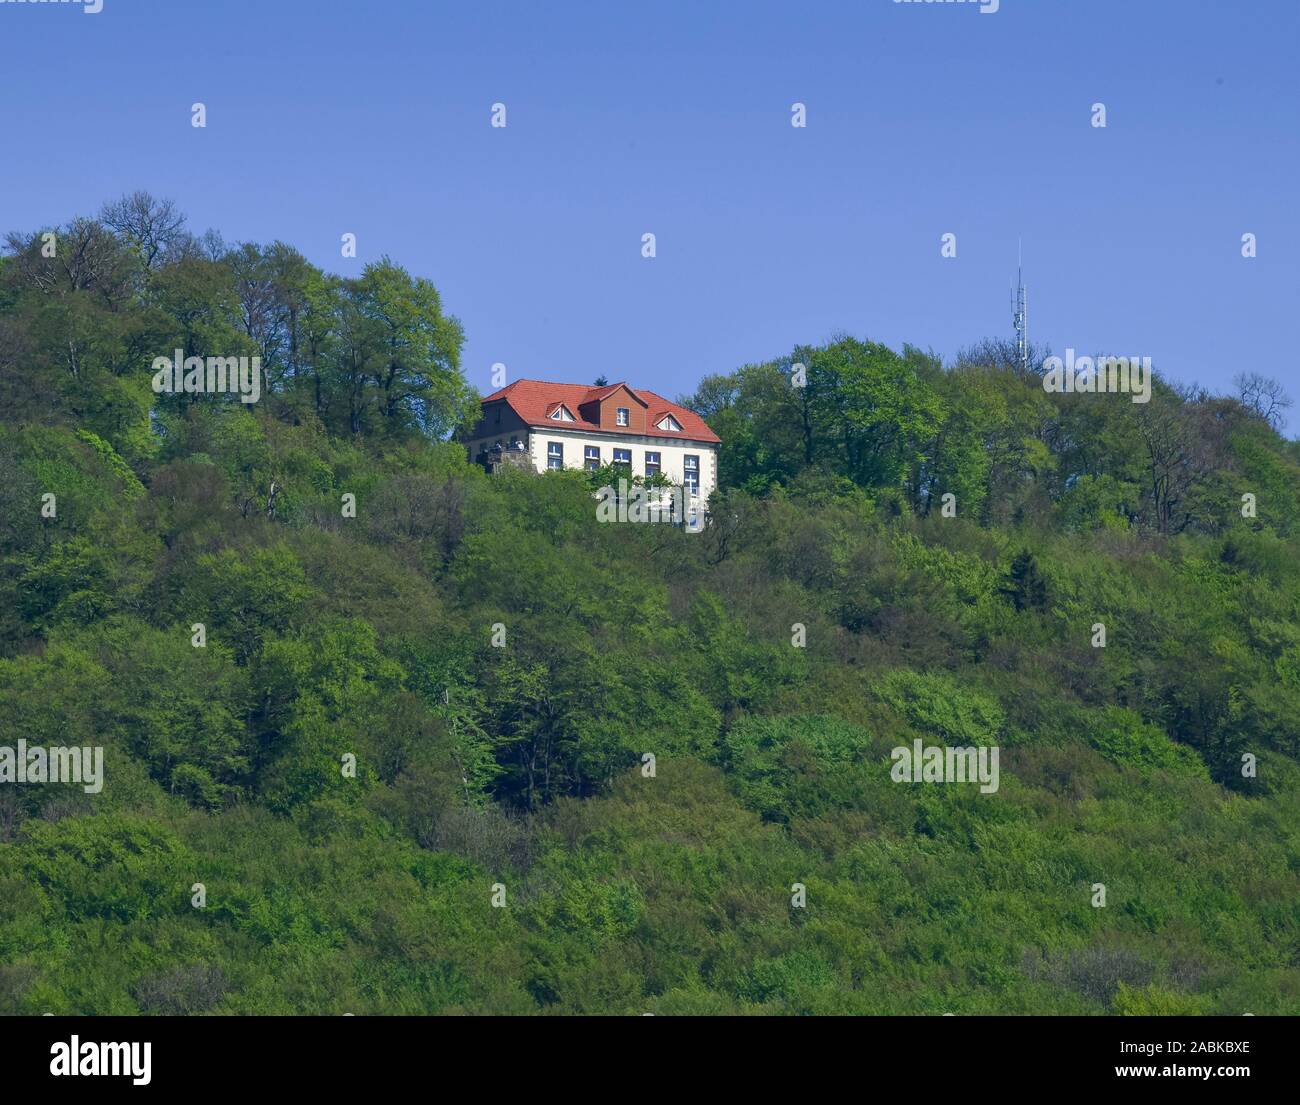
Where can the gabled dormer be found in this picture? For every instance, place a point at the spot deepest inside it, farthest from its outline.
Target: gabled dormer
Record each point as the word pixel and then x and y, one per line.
pixel 558 412
pixel 669 425
pixel 616 407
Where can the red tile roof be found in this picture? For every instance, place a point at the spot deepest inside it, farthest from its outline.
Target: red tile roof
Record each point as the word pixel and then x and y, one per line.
pixel 594 395
pixel 534 400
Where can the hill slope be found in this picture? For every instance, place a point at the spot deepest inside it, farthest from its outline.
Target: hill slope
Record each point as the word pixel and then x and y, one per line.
pixel 497 665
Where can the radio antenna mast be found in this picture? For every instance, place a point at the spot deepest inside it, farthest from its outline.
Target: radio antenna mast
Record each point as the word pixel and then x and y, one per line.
pixel 1020 310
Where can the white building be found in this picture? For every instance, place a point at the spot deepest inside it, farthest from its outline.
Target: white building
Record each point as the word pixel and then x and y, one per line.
pixel 577 426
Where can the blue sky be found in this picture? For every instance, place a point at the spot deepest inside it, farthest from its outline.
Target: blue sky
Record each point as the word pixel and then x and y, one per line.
pixel 674 118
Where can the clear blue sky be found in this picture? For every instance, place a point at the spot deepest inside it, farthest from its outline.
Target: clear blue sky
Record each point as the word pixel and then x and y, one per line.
pixel 674 118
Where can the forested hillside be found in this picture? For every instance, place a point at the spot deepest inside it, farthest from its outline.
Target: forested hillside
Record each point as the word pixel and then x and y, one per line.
pixel 499 664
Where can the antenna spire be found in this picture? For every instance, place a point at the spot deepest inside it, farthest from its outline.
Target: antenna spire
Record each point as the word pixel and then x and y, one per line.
pixel 1020 310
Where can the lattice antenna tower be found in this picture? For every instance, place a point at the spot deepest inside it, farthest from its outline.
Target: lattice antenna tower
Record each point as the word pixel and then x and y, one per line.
pixel 1020 312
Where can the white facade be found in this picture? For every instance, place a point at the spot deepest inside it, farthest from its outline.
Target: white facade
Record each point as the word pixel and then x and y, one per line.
pixel 575 442
pixel 672 454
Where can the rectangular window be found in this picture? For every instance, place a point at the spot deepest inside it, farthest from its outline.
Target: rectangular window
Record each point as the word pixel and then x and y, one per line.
pixel 622 416
pixel 623 456
pixel 591 457
pixel 651 465
pixel 691 479
pixel 554 454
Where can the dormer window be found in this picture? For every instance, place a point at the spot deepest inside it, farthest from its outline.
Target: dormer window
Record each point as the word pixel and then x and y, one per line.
pixel 669 423
pixel 561 414
pixel 622 416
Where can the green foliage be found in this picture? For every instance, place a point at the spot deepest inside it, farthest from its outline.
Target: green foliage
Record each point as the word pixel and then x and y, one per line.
pixel 1154 1001
pixel 245 595
pixel 1123 737
pixel 674 756
pixel 108 868
pixel 776 760
pixel 132 486
pixel 939 705
pixel 1025 587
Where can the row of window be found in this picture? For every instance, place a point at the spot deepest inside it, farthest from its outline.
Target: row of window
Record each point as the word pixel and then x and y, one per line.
pixel 622 415
pixel 653 463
